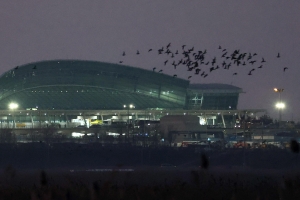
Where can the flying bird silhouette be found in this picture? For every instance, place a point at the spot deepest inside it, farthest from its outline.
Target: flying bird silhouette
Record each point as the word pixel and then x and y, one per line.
pixel 197 71
pixel 154 68
pixel 278 55
pixel 123 53
pixel 168 45
pixel 285 69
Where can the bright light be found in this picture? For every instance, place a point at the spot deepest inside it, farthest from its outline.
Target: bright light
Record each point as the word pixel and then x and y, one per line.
pixel 130 106
pixel 13 106
pixel 278 90
pixel 280 105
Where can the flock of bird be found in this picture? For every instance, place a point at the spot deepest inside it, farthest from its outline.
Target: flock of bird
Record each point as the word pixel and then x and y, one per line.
pixel 197 61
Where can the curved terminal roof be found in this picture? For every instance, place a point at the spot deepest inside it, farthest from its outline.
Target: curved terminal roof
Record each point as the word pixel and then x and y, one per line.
pixel 218 87
pixel 78 84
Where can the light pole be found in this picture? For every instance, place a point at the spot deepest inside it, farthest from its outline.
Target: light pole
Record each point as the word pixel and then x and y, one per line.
pixel 130 106
pixel 279 105
pixel 13 106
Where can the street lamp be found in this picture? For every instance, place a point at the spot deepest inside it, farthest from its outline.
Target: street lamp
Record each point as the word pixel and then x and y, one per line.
pixel 13 106
pixel 279 105
pixel 130 106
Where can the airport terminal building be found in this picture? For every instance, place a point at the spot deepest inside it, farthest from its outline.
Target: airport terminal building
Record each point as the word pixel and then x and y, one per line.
pixel 63 91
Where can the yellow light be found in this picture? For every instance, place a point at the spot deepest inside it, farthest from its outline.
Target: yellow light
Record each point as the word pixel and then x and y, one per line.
pixel 278 90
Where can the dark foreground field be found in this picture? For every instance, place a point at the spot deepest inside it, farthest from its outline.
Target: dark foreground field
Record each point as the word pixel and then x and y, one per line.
pixel 80 171
pixel 150 184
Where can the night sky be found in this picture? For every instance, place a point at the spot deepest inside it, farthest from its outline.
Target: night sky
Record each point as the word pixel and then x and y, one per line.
pixel 102 30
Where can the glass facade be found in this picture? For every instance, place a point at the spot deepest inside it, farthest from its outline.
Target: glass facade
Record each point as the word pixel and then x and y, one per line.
pixel 213 96
pixel 71 85
pixel 91 85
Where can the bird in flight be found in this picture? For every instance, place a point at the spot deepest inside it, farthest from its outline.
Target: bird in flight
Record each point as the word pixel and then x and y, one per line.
pixel 137 52
pixel 34 67
pixel 123 53
pixel 263 60
pixel 175 75
pixel 285 69
pixel 234 73
pixel 154 68
pixel 197 71
pixel 250 72
pixel 278 55
pixel 160 71
pixel 189 77
pixel 149 50
pixel 168 45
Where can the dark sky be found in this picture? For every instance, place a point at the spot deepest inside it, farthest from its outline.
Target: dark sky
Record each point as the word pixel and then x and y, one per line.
pixel 101 30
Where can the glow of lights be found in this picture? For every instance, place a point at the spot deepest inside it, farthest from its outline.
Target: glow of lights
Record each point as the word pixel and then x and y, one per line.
pixel 13 106
pixel 280 105
pixel 278 90
pixel 130 106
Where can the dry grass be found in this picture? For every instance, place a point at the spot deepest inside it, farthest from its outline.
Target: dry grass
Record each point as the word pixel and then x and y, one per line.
pixel 150 184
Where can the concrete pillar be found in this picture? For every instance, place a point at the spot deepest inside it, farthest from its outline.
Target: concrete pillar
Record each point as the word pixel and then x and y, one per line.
pixel 31 120
pixel 67 120
pixel 205 118
pixel 83 116
pixel 223 121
